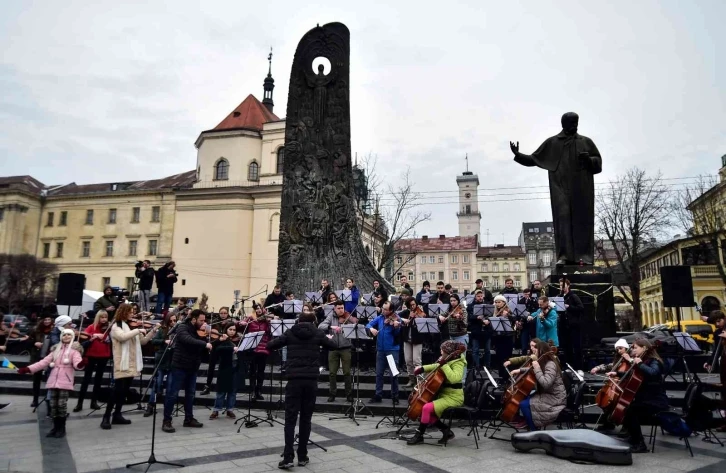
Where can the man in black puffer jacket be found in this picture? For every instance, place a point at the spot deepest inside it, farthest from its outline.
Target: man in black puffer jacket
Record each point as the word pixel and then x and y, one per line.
pixel 303 342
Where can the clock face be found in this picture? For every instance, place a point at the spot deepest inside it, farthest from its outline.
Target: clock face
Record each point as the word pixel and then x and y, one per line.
pixel 467 195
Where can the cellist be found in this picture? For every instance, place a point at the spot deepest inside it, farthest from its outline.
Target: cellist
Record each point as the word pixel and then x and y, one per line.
pixel 719 358
pixel 620 365
pixel 451 393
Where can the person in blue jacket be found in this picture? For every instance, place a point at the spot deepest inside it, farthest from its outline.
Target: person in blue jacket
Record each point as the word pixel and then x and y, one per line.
pixel 545 320
pixel 387 330
pixel 354 296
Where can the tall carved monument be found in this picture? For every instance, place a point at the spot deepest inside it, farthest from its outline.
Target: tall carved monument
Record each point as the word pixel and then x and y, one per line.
pixel 319 235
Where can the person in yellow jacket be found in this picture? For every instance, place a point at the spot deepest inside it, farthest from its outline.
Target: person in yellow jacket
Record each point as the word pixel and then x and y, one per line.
pixel 451 393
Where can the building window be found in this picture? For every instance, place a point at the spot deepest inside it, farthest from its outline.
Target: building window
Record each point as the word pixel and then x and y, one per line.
pixel 85 249
pixel 441 260
pixel 89 217
pixel 275 227
pixel 536 230
pixel 280 159
pixel 495 283
pixel 153 247
pixel 505 267
pixel 423 260
pixel 133 247
pixel 411 276
pixel 467 276
pixel 485 267
pixel 454 259
pixel 399 260
pixel 63 219
pixel 532 257
pixel 495 267
pixel 532 276
pixel 109 248
pixel 398 276
pixel 111 216
pixel 432 277
pixel 253 172
pixel 49 223
pixel 221 170
pixel 485 281
pixel 59 250
pixel 465 258
pixel 517 281
pixel 136 215
pixel 155 213
pixel 423 276
pixel 455 275
pixel 549 229
pixel 547 258
pixel 2 214
pixel 130 284
pixel 516 266
pixel 105 282
pixel 432 259
pixel 441 276
pixel 467 209
pixel 46 250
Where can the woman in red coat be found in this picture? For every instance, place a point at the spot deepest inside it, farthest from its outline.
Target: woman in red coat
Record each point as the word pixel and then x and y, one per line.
pixel 258 323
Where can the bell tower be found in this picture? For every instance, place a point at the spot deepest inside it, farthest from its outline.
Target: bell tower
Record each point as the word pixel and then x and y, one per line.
pixel 468 215
pixel 269 86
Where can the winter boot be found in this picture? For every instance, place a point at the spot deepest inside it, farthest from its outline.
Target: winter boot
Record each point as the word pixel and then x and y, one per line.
pixel 448 434
pixel 79 406
pixel 118 419
pixel 56 426
pixel 149 410
pixel 61 432
pixel 418 436
pixel 106 422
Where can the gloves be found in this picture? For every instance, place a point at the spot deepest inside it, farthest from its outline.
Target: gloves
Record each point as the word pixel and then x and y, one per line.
pixel 82 364
pixel 24 370
pixel 418 370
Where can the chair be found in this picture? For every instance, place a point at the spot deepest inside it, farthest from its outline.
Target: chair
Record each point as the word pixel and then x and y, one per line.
pixel 698 412
pixel 674 424
pixel 573 411
pixel 477 397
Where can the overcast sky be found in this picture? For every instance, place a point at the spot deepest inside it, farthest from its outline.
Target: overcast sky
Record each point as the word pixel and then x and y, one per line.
pixel 109 91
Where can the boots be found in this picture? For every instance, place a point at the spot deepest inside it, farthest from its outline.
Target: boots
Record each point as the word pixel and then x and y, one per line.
pixel 149 410
pixel 79 406
pixel 118 419
pixel 106 422
pixel 411 382
pixel 448 434
pixel 418 436
pixel 56 426
pixel 61 432
pixel 94 405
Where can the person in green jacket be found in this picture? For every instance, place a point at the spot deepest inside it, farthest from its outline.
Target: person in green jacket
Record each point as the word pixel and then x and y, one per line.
pixel 452 363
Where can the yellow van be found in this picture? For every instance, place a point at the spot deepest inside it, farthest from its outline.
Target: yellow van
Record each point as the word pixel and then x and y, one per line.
pixel 699 330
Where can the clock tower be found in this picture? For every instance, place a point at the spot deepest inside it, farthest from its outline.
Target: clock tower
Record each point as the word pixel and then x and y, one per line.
pixel 468 214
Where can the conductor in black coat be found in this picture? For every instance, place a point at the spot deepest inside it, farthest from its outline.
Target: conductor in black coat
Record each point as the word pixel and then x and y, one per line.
pixel 303 342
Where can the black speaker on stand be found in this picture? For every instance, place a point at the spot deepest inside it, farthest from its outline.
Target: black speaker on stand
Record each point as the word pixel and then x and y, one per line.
pixel 70 290
pixel 677 286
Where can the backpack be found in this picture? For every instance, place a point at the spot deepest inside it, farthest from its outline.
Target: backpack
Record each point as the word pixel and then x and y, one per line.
pixel 674 424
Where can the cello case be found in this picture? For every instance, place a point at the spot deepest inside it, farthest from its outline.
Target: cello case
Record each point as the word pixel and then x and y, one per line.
pixel 576 445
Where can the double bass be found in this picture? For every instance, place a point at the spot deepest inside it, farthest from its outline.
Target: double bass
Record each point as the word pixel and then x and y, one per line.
pixel 426 390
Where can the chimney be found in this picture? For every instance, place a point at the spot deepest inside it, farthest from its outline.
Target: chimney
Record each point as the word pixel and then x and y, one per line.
pixel 441 237
pixel 425 238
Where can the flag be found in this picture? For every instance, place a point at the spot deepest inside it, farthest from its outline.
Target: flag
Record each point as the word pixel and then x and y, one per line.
pixel 8 364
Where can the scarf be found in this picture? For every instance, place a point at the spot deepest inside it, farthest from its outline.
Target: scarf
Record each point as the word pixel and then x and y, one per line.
pixel 125 347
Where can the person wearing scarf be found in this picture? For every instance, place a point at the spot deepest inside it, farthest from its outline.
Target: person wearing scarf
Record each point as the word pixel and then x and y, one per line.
pixel 452 363
pixel 127 363
pixel 63 359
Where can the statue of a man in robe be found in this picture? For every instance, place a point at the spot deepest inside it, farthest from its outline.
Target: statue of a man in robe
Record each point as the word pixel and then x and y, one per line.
pixel 572 160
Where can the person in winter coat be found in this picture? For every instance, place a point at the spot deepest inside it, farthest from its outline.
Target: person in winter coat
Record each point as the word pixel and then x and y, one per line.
pixel 39 335
pixel 107 301
pixel 412 339
pixel 503 341
pixel 354 296
pixel 162 360
pixel 545 319
pixel 224 352
pixel 303 342
pixel 543 407
pixel 452 363
pixel 127 363
pixel 63 359
pixel 340 355
pixel 258 323
pixel 481 332
pixel 146 274
pixel 98 352
pixel 165 279
pixel 387 330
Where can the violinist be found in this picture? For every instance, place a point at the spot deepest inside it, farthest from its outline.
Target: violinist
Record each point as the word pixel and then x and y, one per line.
pixel 545 405
pixel 455 321
pixel 224 352
pixel 524 325
pixel 127 363
pixel 162 360
pixel 380 290
pixel 220 321
pixel 453 364
pixel 39 335
pixel 258 322
pixel 320 313
pixel 719 320
pixel 340 356
pixel 412 339
pixel 545 320
pixel 503 341
pixel 98 352
pixel 387 330
pixel 650 398
pixel 481 331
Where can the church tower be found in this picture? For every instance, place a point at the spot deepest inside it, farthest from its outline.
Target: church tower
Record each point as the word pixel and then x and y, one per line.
pixel 468 214
pixel 269 86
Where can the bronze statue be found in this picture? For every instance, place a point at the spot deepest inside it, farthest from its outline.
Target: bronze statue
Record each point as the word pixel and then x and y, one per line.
pixel 571 160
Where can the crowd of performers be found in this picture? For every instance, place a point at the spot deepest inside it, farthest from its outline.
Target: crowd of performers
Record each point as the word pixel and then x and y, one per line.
pixel 184 337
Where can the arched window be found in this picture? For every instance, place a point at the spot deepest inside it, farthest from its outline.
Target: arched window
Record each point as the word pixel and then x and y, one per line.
pixel 275 227
pixel 253 173
pixel 709 304
pixel 280 159
pixel 221 170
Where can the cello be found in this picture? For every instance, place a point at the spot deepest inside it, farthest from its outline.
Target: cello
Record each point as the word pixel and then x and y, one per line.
pixel 520 388
pixel 624 394
pixel 611 391
pixel 426 390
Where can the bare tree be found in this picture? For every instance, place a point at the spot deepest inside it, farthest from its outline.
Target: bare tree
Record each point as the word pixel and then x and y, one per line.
pixel 631 211
pixel 699 212
pixel 23 280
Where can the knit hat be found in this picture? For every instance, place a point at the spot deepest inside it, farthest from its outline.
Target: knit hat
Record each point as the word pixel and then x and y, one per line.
pixel 621 344
pixel 67 331
pixel 62 320
pixel 450 347
pixel 500 298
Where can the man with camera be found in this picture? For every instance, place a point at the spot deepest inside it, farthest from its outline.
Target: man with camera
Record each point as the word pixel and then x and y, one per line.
pixel 145 273
pixel 165 279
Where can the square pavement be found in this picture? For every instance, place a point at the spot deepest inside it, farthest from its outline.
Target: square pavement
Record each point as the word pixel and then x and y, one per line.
pixel 351 449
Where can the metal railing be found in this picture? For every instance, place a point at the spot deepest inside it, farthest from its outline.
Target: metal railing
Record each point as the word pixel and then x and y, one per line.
pixel 262 181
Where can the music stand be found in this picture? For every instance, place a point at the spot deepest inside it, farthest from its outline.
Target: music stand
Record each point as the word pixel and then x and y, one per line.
pixel 426 325
pixel 512 300
pixel 495 423
pixel 365 313
pixel 395 301
pixel 355 332
pixel 559 303
pixel 292 307
pixel 366 298
pixel 277 328
pixel 519 310
pixel 425 297
pixel 437 309
pixel 250 342
pixel 328 310
pixel 314 297
pixel 686 346
pixel 478 310
pixel 468 299
pixel 501 325
pixel 344 295
pixel 393 420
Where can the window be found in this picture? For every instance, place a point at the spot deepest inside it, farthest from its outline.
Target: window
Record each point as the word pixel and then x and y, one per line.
pixel 155 213
pixel 111 216
pixel 63 219
pixel 547 258
pixel 130 283
pixel 153 244
pixel 455 275
pixel 467 276
pixel 423 276
pixel 423 260
pixel 133 247
pixel 495 283
pixel 275 229
pixel 465 258
pixel 46 250
pixel 105 282
pixel 485 267
pixel 485 281
pixel 532 257
pixel 531 230
pixel 517 281
pixel 253 172
pixel 399 260
pixel 505 267
pixel 432 259
pixel 495 267
pixel 441 260
pixel 59 250
pixel 549 229
pixel 398 276
pixel 280 159
pixel 532 276
pixel 454 259
pixel 432 276
pixel 441 276
pixel 467 209
pixel 536 230
pixel 85 249
pixel 109 248
pixel 2 214
pixel 411 276
pixel 136 215
pixel 89 217
pixel 221 170
pixel 49 223
pixel 516 266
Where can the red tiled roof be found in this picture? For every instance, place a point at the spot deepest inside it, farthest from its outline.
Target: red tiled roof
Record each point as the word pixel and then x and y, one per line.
pixel 185 179
pixel 250 114
pixel 440 243
pixel 500 251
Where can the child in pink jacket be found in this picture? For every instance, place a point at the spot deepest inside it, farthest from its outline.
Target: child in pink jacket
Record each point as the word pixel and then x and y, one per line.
pixel 64 357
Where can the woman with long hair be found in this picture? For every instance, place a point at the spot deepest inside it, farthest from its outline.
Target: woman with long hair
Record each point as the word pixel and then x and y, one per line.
pixel 545 405
pixel 127 362
pixel 98 352
pixel 503 341
pixel 412 339
pixel 258 322
pixel 162 360
pixel 41 343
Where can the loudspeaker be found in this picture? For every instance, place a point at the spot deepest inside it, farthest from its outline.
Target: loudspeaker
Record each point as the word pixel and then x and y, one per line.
pixel 677 286
pixel 70 289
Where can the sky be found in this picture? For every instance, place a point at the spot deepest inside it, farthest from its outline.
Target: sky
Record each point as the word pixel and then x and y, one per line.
pixel 114 91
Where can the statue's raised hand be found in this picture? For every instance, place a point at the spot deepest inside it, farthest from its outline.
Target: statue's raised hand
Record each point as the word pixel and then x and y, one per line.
pixel 514 147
